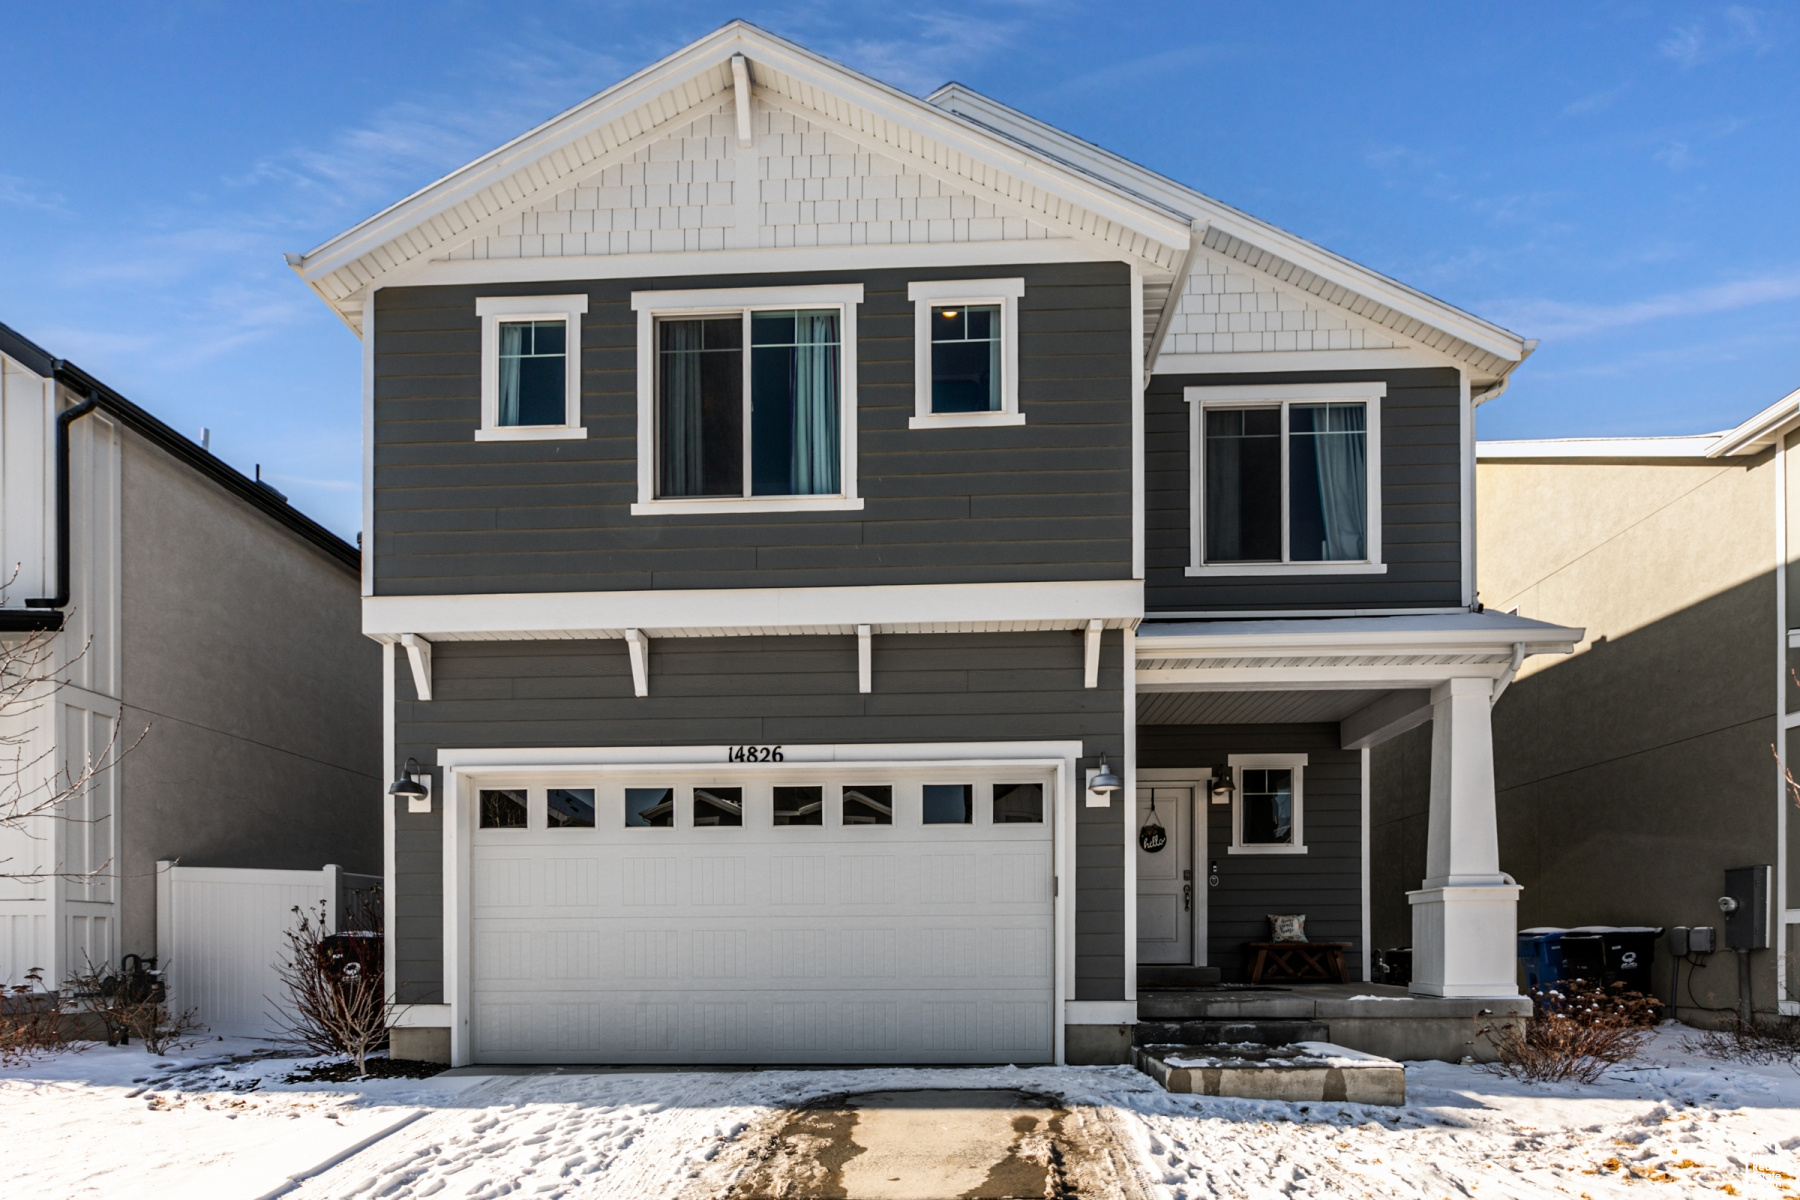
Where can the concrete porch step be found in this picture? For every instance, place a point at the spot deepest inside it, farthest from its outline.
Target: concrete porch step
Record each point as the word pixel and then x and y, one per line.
pixel 1179 977
pixel 1228 1033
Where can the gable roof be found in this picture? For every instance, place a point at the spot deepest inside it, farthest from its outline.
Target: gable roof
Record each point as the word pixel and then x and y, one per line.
pixel 1755 435
pixel 1073 188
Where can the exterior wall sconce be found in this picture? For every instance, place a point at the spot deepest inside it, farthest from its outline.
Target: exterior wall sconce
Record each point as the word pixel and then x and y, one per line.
pixel 1222 787
pixel 1105 781
pixel 413 784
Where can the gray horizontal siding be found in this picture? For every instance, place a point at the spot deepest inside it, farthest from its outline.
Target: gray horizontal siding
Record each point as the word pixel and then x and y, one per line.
pixel 764 691
pixel 1049 500
pixel 1421 501
pixel 1325 883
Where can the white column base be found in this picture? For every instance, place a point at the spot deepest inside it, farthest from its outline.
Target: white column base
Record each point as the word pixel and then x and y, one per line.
pixel 1465 940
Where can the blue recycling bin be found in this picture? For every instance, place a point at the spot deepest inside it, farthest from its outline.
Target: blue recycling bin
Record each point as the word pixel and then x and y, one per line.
pixel 1540 953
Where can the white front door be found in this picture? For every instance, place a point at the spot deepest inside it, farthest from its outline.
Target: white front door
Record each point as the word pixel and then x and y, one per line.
pixel 1165 877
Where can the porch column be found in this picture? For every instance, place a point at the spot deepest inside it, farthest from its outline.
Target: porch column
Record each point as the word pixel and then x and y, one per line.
pixel 1465 915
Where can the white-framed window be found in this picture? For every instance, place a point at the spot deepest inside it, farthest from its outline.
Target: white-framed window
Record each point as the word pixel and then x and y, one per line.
pixel 530 368
pixel 747 400
pixel 1285 479
pixel 1268 807
pixel 965 352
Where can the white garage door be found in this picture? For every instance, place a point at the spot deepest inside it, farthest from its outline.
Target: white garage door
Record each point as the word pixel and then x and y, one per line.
pixel 762 918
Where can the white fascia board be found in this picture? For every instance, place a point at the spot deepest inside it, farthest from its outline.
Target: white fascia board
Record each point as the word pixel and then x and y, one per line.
pixel 1346 638
pixel 1317 678
pixel 718 611
pixel 1760 431
pixel 685 758
pixel 1696 446
pixel 1159 189
pixel 1247 361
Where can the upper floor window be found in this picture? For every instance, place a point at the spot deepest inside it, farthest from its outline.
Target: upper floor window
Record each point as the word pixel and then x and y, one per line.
pixel 530 367
pixel 966 352
pixel 1285 479
pixel 747 399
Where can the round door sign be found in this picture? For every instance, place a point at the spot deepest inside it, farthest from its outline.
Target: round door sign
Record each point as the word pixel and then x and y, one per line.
pixel 1153 837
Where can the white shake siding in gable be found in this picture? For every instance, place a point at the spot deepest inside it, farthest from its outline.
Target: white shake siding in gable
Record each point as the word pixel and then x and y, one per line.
pixel 1233 311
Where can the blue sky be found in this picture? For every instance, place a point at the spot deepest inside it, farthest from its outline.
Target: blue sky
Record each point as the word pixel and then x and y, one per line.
pixel 1619 180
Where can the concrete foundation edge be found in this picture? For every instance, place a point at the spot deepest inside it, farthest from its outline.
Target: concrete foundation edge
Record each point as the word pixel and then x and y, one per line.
pixel 1097 1045
pixel 420 1045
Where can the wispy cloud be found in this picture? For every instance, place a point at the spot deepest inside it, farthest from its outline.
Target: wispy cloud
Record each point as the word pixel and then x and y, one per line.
pixel 1682 150
pixel 940 46
pixel 22 193
pixel 1556 318
pixel 1599 102
pixel 1738 29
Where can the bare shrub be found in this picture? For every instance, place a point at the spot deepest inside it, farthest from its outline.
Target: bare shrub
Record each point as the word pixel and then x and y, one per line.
pixel 30 1020
pixel 1576 1031
pixel 336 988
pixel 1762 1043
pixel 132 1002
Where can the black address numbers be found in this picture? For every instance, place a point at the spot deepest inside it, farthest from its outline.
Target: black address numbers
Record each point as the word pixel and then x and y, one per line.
pixel 753 754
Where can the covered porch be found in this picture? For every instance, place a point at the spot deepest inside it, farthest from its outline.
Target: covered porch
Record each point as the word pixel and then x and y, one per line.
pixel 1252 770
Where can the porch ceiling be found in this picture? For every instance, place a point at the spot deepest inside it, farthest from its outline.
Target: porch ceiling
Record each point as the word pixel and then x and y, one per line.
pixel 1250 708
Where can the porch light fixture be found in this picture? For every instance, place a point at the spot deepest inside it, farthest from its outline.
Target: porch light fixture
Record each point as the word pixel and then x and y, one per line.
pixel 1222 787
pixel 1105 782
pixel 408 786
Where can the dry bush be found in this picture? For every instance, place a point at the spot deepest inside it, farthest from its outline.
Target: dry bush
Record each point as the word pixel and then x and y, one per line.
pixel 337 990
pixel 132 1003
pixel 30 1020
pixel 1576 1031
pixel 1776 1041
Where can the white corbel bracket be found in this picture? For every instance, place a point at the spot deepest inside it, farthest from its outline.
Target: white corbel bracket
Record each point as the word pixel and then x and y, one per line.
pixel 864 674
pixel 418 653
pixel 1091 667
pixel 740 88
pixel 639 647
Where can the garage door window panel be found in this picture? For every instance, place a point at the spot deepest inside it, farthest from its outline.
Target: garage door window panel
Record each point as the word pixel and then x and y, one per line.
pixel 649 808
pixel 718 807
pixel 949 804
pixel 868 804
pixel 1018 804
pixel 569 808
pixel 799 806
pixel 503 808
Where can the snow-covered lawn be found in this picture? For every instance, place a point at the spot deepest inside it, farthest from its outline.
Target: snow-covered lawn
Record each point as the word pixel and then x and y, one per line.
pixel 109 1122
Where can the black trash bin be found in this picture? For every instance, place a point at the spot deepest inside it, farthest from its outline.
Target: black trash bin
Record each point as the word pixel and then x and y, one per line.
pixel 1584 955
pixel 1396 966
pixel 1630 950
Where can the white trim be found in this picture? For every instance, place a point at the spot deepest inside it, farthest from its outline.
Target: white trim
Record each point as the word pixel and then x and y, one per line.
pixel 366 542
pixel 865 681
pixel 741 99
pixel 1243 362
pixel 1140 381
pixel 1199 782
pixel 1465 416
pixel 1090 671
pixel 1279 762
pixel 1005 293
pixel 1784 1003
pixel 1130 779
pixel 1226 614
pixel 1367 923
pixel 720 612
pixel 389 856
pixel 638 647
pixel 1637 447
pixel 568 310
pixel 725 301
pixel 418 654
pixel 422 1016
pixel 1201 397
pixel 1101 1012
pixel 460 764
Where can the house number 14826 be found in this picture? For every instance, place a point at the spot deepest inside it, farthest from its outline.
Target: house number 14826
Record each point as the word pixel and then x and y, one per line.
pixel 753 754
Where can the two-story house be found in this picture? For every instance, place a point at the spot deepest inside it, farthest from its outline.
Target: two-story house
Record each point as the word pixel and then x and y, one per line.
pixel 811 528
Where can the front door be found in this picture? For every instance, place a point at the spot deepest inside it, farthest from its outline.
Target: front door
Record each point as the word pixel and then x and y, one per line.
pixel 1165 877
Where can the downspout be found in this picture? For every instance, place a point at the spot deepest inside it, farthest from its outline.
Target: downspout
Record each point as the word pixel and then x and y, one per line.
pixel 1512 670
pixel 63 420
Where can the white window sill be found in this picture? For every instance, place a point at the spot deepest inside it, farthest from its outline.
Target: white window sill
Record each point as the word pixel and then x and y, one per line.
pixel 1265 850
pixel 760 504
pixel 1319 568
pixel 531 433
pixel 965 420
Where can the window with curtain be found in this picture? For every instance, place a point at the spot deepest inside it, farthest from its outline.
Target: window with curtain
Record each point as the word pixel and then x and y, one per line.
pixel 1320 514
pixel 965 358
pixel 750 417
pixel 1268 808
pixel 532 375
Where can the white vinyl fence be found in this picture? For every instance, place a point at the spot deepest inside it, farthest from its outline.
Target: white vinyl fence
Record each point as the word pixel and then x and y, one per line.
pixel 220 932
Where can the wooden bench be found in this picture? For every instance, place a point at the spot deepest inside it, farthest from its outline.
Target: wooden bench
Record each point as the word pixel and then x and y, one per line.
pixel 1298 962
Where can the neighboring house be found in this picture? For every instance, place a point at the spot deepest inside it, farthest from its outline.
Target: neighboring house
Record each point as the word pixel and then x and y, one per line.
pixel 186 599
pixel 786 495
pixel 1635 773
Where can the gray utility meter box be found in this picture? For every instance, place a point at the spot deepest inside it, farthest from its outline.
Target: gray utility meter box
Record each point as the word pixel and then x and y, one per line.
pixel 1746 907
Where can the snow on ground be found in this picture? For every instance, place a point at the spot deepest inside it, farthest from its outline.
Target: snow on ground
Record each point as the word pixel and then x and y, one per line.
pixel 118 1121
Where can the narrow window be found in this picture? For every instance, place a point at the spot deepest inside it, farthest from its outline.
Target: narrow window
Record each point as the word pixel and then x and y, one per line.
pixel 866 804
pixel 1268 814
pixel 652 808
pixel 794 404
pixel 799 806
pixel 1018 804
pixel 503 808
pixel 965 358
pixel 718 806
pixel 949 803
pixel 1328 483
pixel 1243 485
pixel 532 372
pixel 570 808
pixel 700 418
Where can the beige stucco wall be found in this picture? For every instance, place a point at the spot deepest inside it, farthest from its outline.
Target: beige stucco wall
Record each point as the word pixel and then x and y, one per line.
pixel 242 651
pixel 1632 773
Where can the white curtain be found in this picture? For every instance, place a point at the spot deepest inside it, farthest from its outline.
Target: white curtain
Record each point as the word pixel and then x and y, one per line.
pixel 681 433
pixel 1343 481
pixel 813 468
pixel 512 347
